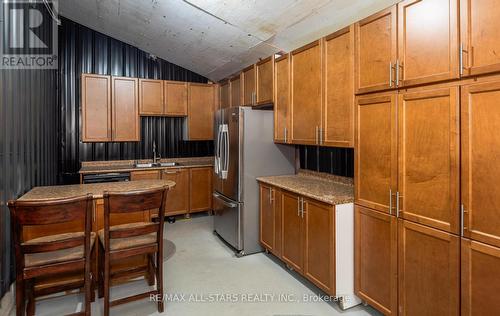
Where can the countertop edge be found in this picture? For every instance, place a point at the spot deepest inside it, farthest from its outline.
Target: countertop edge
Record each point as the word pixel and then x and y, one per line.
pixel 143 169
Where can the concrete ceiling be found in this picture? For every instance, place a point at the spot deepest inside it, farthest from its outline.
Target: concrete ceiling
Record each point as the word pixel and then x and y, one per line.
pixel 217 38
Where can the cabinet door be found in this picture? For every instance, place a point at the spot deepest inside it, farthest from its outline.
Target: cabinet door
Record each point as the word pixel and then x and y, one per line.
pixel 176 99
pixel 282 100
pixel 144 175
pixel 480 151
pixel 338 111
pixel 200 119
pixel 96 108
pixel 267 217
pixel 265 87
pixel 429 165
pixel 125 109
pixel 479 29
pixel 428 43
pixel 319 245
pixel 151 97
pixel 225 100
pixel 376 259
pixel 376 151
pixel 480 279
pixel 429 271
pixel 248 76
pixel 376 51
pixel 178 197
pixel 292 232
pixel 306 94
pixel 235 85
pixel 200 191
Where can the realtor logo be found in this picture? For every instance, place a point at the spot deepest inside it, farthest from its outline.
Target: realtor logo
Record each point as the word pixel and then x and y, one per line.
pixel 29 34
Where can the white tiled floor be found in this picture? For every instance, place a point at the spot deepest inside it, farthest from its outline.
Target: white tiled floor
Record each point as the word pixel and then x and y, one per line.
pixel 205 269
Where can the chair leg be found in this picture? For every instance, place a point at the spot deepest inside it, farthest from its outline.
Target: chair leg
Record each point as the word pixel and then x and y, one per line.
pixel 159 279
pixel 88 285
pixel 19 297
pixel 106 283
pixel 100 281
pixel 151 270
pixel 93 270
pixel 30 308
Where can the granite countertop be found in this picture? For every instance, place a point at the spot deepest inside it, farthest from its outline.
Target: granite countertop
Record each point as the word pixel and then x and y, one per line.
pixel 128 165
pixel 96 189
pixel 318 186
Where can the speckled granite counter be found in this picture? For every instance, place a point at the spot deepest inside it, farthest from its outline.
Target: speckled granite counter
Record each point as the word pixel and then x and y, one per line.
pixel 128 165
pixel 96 189
pixel 319 186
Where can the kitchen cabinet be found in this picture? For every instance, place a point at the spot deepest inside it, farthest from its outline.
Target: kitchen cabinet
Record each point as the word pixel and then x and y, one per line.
pixel 429 149
pixel 270 218
pixel 144 175
pixel 151 97
pixel 225 98
pixel 338 109
pixel 265 85
pixel 306 94
pixel 235 87
pixel 376 51
pixel 376 269
pixel 480 151
pixel 125 109
pixel 199 123
pixel 96 108
pixel 200 189
pixel 429 270
pixel 479 41
pixel 282 100
pixel 249 92
pixel 376 157
pixel 292 231
pixel 176 98
pixel 178 197
pixel 480 278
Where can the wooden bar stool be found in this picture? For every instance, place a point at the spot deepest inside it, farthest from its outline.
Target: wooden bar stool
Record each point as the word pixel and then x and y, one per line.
pixel 52 255
pixel 127 240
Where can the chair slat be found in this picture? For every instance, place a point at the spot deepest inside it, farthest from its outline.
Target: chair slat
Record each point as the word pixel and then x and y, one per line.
pixel 132 232
pixel 53 245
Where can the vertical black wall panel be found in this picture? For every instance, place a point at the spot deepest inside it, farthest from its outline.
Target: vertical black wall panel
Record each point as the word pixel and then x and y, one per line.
pixel 84 50
pixel 338 161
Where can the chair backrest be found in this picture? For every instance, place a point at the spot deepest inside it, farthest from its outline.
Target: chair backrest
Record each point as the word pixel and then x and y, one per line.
pixel 48 212
pixel 134 201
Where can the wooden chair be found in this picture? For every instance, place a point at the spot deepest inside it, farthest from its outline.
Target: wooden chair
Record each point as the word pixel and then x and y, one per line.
pixel 128 240
pixel 52 255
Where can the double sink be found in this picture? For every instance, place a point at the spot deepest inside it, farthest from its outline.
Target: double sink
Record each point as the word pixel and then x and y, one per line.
pixel 156 164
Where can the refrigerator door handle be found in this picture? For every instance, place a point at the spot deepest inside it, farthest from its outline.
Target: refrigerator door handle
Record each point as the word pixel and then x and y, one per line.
pixel 217 151
pixel 225 152
pixel 223 201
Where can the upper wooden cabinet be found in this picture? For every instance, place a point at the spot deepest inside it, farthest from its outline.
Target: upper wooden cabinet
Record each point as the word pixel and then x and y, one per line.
pixel 338 110
pixel 282 100
pixel 428 42
pixel 306 94
pixel 248 78
pixel 265 76
pixel 200 120
pixel 176 98
pixel 376 51
pixel 96 108
pixel 235 87
pixel 225 95
pixel 151 97
pixel 125 109
pixel 480 42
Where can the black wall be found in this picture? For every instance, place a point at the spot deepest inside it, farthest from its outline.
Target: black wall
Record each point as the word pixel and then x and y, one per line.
pixel 338 161
pixel 84 50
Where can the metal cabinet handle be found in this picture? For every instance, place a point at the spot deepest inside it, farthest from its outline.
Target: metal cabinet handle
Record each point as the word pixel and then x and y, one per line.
pixel 398 65
pixel 390 201
pixel 271 195
pixel 285 134
pixel 391 68
pixel 317 135
pixel 298 206
pixel 397 204
pixel 463 228
pixel 302 206
pixel 461 58
pixel 170 172
pixel 321 136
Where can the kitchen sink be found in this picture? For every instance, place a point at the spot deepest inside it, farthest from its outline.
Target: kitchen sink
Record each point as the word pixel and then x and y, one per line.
pixel 144 165
pixel 158 164
pixel 168 164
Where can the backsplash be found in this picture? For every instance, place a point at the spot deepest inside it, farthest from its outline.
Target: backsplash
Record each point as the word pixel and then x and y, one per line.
pixel 337 161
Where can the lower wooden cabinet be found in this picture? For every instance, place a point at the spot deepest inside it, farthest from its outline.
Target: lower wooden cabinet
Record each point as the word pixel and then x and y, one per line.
pixel 144 175
pixel 376 259
pixel 292 232
pixel 200 189
pixel 270 215
pixel 480 278
pixel 178 197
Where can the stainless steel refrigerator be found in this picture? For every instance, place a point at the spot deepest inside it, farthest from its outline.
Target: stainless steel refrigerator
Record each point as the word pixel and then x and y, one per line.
pixel 244 150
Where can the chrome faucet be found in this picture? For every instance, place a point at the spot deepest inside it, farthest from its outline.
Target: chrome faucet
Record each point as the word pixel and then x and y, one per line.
pixel 155 158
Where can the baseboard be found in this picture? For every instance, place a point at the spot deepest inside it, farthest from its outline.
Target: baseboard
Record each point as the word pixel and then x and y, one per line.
pixel 7 302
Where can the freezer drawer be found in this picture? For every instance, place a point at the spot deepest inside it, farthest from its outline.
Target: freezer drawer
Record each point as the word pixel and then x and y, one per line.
pixel 227 220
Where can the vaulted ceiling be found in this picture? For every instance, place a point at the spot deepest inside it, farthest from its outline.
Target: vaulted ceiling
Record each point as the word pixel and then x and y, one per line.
pixel 216 38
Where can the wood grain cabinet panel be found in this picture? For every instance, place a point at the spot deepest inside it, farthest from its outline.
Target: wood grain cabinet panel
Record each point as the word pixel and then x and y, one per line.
pixel 151 100
pixel 200 191
pixel 429 164
pixel 376 51
pixel 376 154
pixel 235 87
pixel 282 100
pixel 264 81
pixel 429 271
pixel 480 279
pixel 178 197
pixel 480 42
pixel 267 218
pixel 338 111
pixel 225 98
pixel 96 108
pixel 480 153
pixel 249 91
pixel 375 240
pixel 292 232
pixel 176 98
pixel 319 244
pixel 428 41
pixel 306 98
pixel 125 109
pixel 200 119
pixel 145 175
